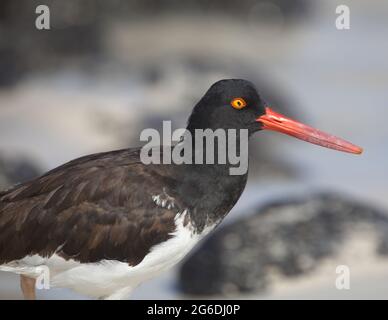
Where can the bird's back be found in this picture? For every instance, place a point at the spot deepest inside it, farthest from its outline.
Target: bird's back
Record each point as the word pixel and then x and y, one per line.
pixel 92 208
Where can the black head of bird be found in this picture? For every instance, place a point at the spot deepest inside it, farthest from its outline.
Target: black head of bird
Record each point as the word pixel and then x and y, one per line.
pixel 236 104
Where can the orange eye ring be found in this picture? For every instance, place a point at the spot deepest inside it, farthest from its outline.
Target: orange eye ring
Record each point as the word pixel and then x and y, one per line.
pixel 238 103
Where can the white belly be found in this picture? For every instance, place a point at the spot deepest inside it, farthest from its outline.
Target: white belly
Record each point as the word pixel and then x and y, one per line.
pixel 110 278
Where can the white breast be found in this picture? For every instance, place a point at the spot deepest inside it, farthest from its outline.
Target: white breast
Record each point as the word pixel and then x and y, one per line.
pixel 114 279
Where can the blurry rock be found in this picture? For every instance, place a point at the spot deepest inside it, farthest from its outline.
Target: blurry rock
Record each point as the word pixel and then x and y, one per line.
pixel 77 36
pixel 290 9
pixel 10 69
pixel 290 237
pixel 15 170
pixel 74 37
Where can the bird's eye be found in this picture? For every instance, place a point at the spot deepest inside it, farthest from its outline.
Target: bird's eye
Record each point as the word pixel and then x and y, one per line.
pixel 238 103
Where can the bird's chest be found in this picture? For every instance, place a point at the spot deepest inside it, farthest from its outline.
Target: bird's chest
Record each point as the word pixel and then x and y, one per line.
pixel 170 252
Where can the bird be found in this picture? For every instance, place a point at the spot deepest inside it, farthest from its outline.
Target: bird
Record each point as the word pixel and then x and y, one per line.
pixel 104 223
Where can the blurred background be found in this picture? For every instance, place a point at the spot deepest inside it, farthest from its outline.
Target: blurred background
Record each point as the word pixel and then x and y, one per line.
pixel 106 70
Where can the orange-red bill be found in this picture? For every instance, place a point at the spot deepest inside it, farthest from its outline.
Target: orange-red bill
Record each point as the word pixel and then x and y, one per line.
pixel 277 122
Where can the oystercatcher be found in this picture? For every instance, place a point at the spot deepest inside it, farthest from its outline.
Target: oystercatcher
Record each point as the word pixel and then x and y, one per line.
pixel 104 223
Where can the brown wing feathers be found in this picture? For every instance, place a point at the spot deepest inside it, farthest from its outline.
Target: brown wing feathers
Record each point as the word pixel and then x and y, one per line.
pixel 97 207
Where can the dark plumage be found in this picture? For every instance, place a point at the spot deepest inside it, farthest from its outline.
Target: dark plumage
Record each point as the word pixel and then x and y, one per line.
pixel 92 208
pixel 100 207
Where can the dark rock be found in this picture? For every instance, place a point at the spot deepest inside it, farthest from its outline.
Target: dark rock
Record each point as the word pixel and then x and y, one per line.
pixel 15 170
pixel 78 28
pixel 290 236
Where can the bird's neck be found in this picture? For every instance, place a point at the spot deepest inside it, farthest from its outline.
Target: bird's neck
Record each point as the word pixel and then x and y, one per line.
pixel 212 182
pixel 209 192
pixel 221 148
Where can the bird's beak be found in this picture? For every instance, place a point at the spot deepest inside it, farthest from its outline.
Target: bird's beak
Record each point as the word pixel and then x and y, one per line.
pixel 277 122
